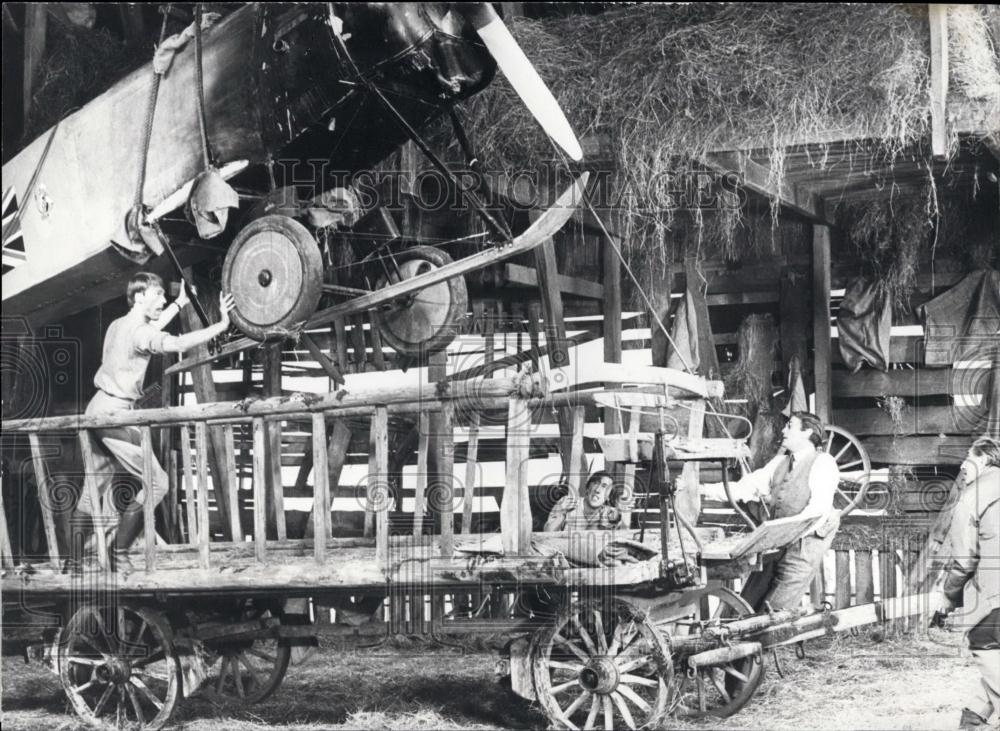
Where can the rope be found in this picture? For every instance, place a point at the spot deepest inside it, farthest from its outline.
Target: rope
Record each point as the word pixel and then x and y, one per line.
pixel 147 129
pixel 200 88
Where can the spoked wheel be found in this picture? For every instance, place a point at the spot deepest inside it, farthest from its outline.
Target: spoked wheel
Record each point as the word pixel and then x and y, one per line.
pixel 723 689
pixel 602 665
pixel 855 468
pixel 119 668
pixel 427 320
pixel 248 671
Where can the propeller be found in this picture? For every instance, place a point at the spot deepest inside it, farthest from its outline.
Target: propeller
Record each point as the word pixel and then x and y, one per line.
pixel 522 75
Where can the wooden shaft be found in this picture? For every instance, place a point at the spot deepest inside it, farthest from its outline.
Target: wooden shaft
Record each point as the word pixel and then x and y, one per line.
pixel 842 591
pixel 380 448
pixel 6 551
pixel 469 489
pixel 90 487
pixel 864 586
pixel 423 446
pixel 259 489
pixel 336 403
pixel 446 475
pixel 148 502
pixel 321 487
pixel 515 509
pixel 201 460
pixel 277 486
pixel 44 498
pixel 236 529
pixel 190 500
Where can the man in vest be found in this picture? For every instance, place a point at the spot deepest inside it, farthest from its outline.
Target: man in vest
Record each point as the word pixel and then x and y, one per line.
pixel 972 575
pixel 800 480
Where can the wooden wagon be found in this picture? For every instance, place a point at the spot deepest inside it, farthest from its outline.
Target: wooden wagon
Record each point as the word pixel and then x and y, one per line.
pixel 601 628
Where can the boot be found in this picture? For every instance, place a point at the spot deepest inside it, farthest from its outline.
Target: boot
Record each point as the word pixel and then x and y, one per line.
pixel 971 720
pixel 129 529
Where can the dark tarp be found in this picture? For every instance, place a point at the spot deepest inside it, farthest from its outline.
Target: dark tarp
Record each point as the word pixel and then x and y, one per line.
pixel 964 322
pixel 864 324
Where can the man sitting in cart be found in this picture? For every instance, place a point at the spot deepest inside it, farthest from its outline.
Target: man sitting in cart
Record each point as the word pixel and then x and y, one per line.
pixel 800 480
pixel 128 345
pixel 599 507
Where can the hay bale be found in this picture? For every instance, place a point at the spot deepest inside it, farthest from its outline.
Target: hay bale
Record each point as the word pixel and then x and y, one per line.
pixel 973 66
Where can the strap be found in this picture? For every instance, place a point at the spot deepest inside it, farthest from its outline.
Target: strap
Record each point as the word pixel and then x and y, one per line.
pixel 147 130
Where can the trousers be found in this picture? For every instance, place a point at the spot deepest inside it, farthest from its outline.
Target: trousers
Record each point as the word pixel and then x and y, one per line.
pixel 783 583
pixel 125 447
pixel 984 641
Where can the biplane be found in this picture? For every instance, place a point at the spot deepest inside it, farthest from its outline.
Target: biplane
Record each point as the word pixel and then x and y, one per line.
pixel 245 147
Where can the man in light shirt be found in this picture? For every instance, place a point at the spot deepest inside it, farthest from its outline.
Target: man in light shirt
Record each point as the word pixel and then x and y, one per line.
pixel 800 480
pixel 128 345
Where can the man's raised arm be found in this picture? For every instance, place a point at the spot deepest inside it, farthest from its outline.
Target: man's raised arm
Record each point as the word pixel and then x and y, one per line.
pixel 182 343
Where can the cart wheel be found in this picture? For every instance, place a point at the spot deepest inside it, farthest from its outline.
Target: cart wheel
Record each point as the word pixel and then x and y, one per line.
pixel 718 690
pixel 602 665
pixel 274 271
pixel 119 668
pixel 427 320
pixel 249 671
pixel 852 458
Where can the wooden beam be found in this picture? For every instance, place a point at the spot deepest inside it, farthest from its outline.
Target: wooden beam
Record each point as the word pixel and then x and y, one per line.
pixel 90 488
pixel 555 326
pixel 259 489
pixel 44 498
pixel 275 496
pixel 937 15
pixel 205 392
pixel 916 383
pixel 424 426
pixel 321 487
pixel 515 508
pixel 928 420
pixel 187 478
pixel 379 482
pixel 469 488
pixel 821 321
pixel 918 450
pixel 757 178
pixel 201 461
pixel 148 506
pixel 35 24
pixel 235 528
pixel 445 473
pixel 519 275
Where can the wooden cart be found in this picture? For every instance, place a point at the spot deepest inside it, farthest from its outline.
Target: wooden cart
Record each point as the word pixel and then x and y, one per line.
pixel 595 641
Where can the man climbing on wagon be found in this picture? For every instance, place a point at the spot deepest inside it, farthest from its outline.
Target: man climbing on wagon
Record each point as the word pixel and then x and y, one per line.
pixel 801 480
pixel 590 510
pixel 972 575
pixel 128 345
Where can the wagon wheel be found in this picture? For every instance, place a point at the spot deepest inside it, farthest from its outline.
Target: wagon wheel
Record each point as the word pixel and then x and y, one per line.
pixel 248 671
pixel 118 667
pixel 427 320
pixel 602 665
pixel 851 456
pixel 718 690
pixel 274 271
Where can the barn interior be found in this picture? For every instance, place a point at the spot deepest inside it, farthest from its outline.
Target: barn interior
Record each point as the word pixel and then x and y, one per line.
pixel 778 175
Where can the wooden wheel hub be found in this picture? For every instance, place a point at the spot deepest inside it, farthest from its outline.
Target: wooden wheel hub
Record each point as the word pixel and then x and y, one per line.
pixel 600 676
pixel 274 271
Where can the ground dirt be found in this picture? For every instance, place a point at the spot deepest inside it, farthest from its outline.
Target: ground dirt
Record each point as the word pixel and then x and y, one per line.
pixel 844 683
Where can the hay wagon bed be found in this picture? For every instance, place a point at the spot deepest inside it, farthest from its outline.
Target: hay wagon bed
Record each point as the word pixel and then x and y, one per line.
pixel 605 628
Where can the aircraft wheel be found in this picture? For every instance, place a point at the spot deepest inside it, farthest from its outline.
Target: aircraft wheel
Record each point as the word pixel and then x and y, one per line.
pixel 274 271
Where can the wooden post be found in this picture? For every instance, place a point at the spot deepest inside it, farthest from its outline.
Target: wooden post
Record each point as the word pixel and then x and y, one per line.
pixel 205 392
pixel 469 489
pixel 201 459
pixel 190 500
pixel 793 302
pixel 821 321
pixel 336 455
pixel 937 15
pixel 235 526
pixel 148 506
pixel 887 572
pixel 378 489
pixel 577 460
pixel 35 24
pixel 259 489
pixel 515 509
pixel 612 284
pixel 358 342
pixel 378 357
pixel 423 424
pixel 842 591
pixel 445 474
pixel 6 551
pixel 90 487
pixel 864 586
pixel 339 333
pixel 321 487
pixel 168 506
pixel 552 308
pixel 44 498
pixel 272 387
